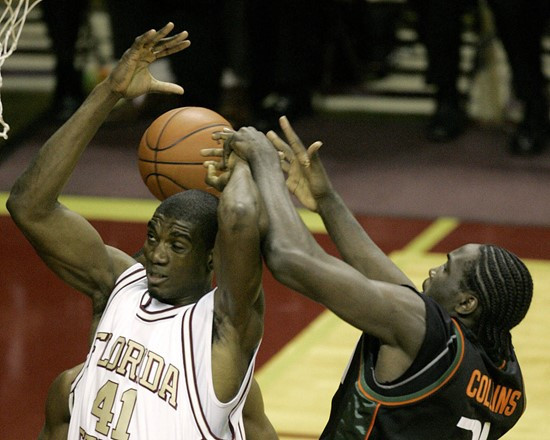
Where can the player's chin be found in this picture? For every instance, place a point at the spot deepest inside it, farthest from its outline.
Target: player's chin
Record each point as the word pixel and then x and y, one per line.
pixel 156 293
pixel 425 285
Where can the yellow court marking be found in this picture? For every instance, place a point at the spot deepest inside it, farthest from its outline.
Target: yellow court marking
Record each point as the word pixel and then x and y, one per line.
pixel 135 210
pixel 432 235
pixel 103 208
pixel 313 221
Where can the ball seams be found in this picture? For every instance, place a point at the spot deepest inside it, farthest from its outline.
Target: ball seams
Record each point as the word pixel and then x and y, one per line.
pixel 167 162
pixel 177 141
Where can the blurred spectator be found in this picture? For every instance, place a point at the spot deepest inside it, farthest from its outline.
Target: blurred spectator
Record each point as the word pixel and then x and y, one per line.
pixel 64 19
pixel 520 25
pixel 199 70
pixel 284 57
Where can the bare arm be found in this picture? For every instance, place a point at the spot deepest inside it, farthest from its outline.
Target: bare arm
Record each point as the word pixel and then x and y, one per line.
pixel 70 246
pixel 239 305
pixel 58 416
pixel 256 424
pixel 387 311
pixel 308 180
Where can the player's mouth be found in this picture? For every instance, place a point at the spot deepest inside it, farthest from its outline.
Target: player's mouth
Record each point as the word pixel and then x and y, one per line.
pixel 155 277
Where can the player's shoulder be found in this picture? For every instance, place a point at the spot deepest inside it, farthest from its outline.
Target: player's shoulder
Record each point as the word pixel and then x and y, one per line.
pixel 121 261
pixel 67 377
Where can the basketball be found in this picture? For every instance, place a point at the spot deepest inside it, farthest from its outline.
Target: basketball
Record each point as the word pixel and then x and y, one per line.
pixel 169 157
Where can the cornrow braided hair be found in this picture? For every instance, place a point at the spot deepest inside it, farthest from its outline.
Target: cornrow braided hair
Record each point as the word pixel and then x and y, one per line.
pixel 504 288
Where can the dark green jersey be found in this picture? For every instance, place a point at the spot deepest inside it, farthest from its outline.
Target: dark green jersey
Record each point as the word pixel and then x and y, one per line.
pixel 452 391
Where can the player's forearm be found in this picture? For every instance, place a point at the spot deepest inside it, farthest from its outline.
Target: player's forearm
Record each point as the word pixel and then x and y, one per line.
pixel 39 186
pixel 287 237
pixel 354 244
pixel 239 236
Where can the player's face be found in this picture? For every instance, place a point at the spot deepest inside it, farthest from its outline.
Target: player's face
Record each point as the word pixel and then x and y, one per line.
pixel 444 282
pixel 176 261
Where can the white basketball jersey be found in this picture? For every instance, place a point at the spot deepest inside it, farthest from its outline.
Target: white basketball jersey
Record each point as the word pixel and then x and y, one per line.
pixel 148 374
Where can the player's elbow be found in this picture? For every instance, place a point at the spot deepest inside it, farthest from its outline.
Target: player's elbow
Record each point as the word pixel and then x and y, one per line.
pixel 19 207
pixel 237 214
pixel 284 262
pixel 24 208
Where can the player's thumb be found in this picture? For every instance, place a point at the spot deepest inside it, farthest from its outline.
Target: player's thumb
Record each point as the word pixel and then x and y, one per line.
pixel 165 87
pixel 314 147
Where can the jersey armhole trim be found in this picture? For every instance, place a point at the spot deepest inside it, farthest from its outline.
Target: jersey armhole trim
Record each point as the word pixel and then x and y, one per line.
pixel 372 395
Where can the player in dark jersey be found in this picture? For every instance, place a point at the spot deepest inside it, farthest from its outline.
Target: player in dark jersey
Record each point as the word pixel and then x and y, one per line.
pixel 435 365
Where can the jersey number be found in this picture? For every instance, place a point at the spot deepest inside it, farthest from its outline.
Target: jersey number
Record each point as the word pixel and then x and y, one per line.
pixel 479 432
pixel 103 410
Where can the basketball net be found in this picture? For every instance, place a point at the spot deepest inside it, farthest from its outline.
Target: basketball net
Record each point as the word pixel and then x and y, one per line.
pixel 12 20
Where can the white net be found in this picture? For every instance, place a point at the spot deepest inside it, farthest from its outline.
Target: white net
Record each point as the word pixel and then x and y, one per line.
pixel 12 19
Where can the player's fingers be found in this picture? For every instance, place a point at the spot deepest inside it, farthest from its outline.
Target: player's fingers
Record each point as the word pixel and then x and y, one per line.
pixel 150 38
pixel 295 142
pixel 314 147
pixel 225 134
pixel 222 181
pixel 211 174
pixel 293 139
pixel 173 41
pixel 285 166
pixel 217 164
pixel 162 32
pixel 165 87
pixel 172 48
pixel 280 145
pixel 217 181
pixel 216 152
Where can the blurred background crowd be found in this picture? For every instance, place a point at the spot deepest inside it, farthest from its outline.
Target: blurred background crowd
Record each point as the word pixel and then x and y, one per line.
pixel 474 60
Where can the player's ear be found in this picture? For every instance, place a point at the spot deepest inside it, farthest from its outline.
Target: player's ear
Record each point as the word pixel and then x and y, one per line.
pixel 467 303
pixel 210 261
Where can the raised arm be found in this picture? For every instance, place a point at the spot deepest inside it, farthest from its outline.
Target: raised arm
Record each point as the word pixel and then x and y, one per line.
pixel 308 180
pixel 68 244
pixel 390 312
pixel 239 305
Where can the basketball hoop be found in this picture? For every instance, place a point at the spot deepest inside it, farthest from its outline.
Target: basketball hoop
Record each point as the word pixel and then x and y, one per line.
pixel 12 19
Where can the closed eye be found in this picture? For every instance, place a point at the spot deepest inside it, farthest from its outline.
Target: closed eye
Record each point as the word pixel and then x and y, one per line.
pixel 179 247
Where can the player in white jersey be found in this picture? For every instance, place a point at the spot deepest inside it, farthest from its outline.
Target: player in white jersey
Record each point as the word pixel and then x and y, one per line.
pixel 57 418
pixel 134 352
pixel 134 381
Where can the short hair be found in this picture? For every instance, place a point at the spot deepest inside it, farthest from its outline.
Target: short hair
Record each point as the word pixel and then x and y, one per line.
pixel 504 288
pixel 196 207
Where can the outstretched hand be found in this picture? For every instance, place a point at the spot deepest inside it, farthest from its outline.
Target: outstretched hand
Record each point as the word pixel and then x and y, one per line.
pixel 248 143
pixel 218 172
pixel 237 145
pixel 306 176
pixel 131 77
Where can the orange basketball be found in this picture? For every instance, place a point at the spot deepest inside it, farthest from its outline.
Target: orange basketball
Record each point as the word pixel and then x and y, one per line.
pixel 169 156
